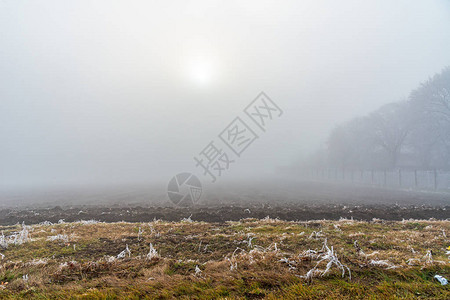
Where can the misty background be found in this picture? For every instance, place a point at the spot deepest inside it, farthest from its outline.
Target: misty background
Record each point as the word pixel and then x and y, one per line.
pixel 109 92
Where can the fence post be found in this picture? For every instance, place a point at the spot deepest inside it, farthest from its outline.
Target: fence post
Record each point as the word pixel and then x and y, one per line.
pixel 435 179
pixel 415 178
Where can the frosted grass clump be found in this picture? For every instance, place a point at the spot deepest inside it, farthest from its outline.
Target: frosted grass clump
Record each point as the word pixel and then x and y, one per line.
pixel 17 238
pixel 59 237
pixel 124 252
pixel 331 258
pixel 152 253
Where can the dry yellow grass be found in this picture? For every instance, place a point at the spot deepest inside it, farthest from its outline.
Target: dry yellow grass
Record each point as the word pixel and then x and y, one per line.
pixel 247 259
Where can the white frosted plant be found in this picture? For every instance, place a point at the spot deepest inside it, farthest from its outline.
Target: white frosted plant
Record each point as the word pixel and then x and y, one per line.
pixel 233 259
pixel 17 238
pixel 316 235
pixel 382 263
pixel 89 222
pixel 22 236
pixel 139 233
pixel 249 241
pixel 198 272
pixel 3 241
pixel 37 262
pixel 110 259
pixel 124 252
pixel 152 253
pixel 59 237
pixel 331 258
pixel 188 220
pixel 428 257
pixel 46 223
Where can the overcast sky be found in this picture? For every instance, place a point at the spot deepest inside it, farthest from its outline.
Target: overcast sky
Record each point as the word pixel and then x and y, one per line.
pixel 123 91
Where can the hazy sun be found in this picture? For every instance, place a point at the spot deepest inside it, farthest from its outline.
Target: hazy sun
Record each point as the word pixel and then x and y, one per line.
pixel 201 71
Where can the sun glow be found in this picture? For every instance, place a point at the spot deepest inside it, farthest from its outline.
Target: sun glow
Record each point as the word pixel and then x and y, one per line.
pixel 201 71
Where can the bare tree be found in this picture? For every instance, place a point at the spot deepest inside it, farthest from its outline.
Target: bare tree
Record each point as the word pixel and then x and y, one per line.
pixel 350 145
pixel 414 133
pixel 390 126
pixel 431 109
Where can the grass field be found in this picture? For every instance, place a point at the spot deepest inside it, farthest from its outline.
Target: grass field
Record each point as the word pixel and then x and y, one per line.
pixel 249 259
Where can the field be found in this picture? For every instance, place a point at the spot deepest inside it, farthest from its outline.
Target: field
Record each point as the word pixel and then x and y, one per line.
pixel 289 212
pixel 251 258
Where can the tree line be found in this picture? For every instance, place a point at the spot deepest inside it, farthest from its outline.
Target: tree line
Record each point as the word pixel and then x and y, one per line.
pixel 409 134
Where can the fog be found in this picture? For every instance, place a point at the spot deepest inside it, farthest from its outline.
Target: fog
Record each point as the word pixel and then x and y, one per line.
pixel 115 92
